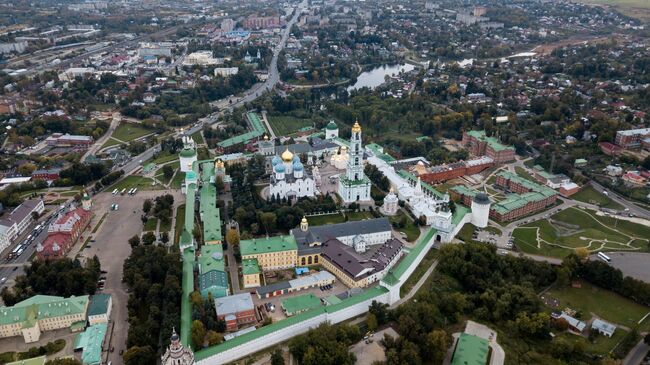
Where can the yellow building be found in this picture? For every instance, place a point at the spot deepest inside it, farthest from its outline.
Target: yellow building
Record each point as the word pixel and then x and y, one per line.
pixel 251 273
pixel 43 313
pixel 272 253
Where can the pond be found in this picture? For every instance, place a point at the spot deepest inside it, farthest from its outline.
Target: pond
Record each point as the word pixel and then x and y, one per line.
pixel 375 77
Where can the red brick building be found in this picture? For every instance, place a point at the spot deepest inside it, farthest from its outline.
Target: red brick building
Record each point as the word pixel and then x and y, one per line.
pixel 261 22
pixel 63 233
pixel 65 140
pixel 235 310
pixel 479 144
pixel 441 173
pixel 48 175
pixel 631 138
pixel 610 149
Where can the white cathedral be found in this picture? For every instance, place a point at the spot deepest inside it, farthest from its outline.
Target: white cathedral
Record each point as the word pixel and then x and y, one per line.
pixel 354 186
pixel 289 179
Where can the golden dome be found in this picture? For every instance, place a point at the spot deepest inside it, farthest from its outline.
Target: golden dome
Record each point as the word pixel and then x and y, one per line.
pixel 266 137
pixel 356 127
pixel 218 164
pixel 287 156
pixel 304 220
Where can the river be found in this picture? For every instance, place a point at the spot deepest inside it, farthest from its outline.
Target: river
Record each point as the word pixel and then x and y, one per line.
pixel 375 77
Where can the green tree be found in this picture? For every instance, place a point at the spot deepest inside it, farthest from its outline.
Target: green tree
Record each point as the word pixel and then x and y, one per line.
pixel 371 321
pixel 134 241
pixel 214 338
pixel 277 358
pixel 198 334
pixel 146 206
pixel 165 237
pixel 137 355
pixel 437 344
pixel 148 238
pixel 232 237
pixel 168 171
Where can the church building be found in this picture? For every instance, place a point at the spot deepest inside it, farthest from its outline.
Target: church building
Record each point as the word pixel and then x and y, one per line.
pixel 289 179
pixel 355 186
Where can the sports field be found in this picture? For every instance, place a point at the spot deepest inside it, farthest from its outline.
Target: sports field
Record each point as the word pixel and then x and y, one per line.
pixel 562 233
pixel 639 9
pixel 285 125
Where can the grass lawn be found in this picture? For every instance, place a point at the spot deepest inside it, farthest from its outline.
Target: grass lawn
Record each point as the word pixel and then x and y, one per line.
pixel 322 220
pixel 573 228
pixel 164 157
pixel 603 303
pixel 412 231
pixel 198 137
pixel 129 131
pixel 357 216
pixel 418 272
pixel 465 233
pixel 590 195
pixel 151 224
pixel 142 183
pixel 523 173
pixel 602 345
pixel 285 125
pixel 177 180
pixel 110 142
pixel 180 222
pixel 639 9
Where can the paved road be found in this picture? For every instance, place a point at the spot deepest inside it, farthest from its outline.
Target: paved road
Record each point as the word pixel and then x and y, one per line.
pixel 253 93
pixel 636 355
pixel 635 209
pixel 10 269
pixel 115 122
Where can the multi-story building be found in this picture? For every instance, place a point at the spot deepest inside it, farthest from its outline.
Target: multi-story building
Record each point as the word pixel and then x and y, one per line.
pixel 40 313
pixel 481 145
pixel 354 186
pixel 356 234
pixel 47 175
pixel 17 221
pixel 250 273
pixel 212 272
pixel 261 22
pixel 272 253
pixel 68 140
pixel 64 232
pixel 99 310
pixel 354 270
pixel 441 173
pixel 527 197
pixel 235 310
pixel 632 138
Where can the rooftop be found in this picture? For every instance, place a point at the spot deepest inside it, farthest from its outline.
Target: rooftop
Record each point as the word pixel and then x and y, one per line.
pixel 90 341
pixel 233 304
pixel 301 303
pixel 257 246
pixel 470 350
pixel 250 267
pixel 99 304
pixel 494 143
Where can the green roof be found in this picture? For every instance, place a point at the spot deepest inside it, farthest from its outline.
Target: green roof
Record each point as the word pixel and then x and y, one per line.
pixel 266 245
pixel 300 303
pixel 90 341
pixel 187 152
pixel 190 197
pixel 214 281
pixel 425 186
pixel 470 350
pixel 33 361
pixel 266 330
pixel 491 141
pixel 210 214
pixel 409 259
pixel 211 258
pixel 188 287
pixel 332 299
pixel 250 267
pixel 331 125
pixel 98 304
pixel 29 311
pixel 257 127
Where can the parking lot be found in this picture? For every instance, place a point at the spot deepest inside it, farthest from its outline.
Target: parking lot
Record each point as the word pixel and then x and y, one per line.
pixel 112 248
pixel 368 351
pixel 278 314
pixel 634 264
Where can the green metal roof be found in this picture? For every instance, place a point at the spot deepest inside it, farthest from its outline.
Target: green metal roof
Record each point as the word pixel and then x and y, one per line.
pixel 257 127
pixel 250 267
pixel 211 258
pixel 98 304
pixel 409 259
pixel 300 303
pixel 188 287
pixel 407 175
pixel 268 244
pixel 190 197
pixel 470 350
pixel 90 341
pixel 213 279
pixel 187 152
pixel 210 213
pixel 33 361
pixel 491 141
pixel 29 311
pixel 332 299
pixel 332 126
